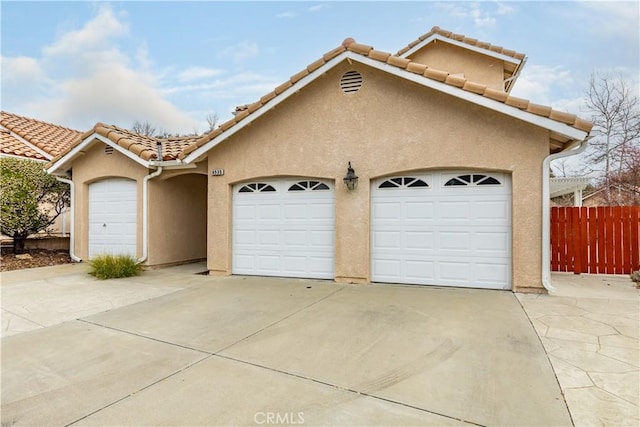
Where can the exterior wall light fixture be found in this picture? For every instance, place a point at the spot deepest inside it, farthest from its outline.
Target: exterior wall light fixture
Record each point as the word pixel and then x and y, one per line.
pixel 351 179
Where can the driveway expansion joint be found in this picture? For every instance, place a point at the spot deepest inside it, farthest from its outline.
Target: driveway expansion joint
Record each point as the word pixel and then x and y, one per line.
pixel 147 337
pixel 346 389
pixel 139 390
pixel 293 313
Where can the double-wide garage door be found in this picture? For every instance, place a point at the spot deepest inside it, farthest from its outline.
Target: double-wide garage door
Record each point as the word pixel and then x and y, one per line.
pixel 284 228
pixel 444 228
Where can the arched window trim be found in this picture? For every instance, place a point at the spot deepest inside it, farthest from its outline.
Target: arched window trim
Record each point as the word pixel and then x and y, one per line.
pixel 473 180
pixel 403 182
pixel 257 187
pixel 310 185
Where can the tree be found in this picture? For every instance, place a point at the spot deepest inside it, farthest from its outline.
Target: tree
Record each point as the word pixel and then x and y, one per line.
pixel 146 128
pixel 30 199
pixel 615 113
pixel 212 121
pixel 622 188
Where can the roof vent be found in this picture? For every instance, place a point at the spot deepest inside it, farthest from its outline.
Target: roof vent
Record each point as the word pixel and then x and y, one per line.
pixel 351 82
pixel 108 150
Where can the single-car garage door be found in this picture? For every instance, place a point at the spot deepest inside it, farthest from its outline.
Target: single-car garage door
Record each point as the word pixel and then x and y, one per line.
pixel 113 217
pixel 284 228
pixel 442 228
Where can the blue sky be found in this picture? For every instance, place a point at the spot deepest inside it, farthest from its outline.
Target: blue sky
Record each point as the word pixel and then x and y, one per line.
pixel 172 63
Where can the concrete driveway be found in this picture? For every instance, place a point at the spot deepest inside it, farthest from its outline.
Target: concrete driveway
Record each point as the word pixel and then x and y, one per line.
pixel 176 348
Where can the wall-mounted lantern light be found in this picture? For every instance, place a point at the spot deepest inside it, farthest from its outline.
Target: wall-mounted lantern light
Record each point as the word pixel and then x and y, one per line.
pixel 351 179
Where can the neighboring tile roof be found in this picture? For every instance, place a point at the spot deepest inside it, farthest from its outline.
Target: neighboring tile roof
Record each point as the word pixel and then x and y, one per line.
pixel 140 145
pixel 464 39
pixel 50 138
pixel 12 146
pixel 349 44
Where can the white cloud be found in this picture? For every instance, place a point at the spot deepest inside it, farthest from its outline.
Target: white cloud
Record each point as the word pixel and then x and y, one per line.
pixel 537 83
pixel 114 94
pixel 504 9
pixel 482 14
pixel 247 82
pixel 318 7
pixel 96 34
pixel 84 76
pixel 616 18
pixel 241 51
pixel 21 69
pixel 286 15
pixel 198 73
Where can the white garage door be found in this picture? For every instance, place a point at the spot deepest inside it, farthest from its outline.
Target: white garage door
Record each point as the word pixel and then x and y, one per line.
pixel 442 228
pixel 284 228
pixel 113 217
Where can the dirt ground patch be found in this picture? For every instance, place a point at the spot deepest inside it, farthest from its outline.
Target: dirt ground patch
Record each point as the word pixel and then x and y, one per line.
pixel 37 258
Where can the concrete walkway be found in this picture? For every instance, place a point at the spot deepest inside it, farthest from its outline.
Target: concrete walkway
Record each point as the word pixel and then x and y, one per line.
pixel 590 327
pixel 172 347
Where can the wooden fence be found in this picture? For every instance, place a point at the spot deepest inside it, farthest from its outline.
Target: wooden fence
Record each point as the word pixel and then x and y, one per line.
pixel 602 240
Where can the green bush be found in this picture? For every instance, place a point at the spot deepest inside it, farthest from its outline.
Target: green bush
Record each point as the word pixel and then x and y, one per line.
pixel 114 266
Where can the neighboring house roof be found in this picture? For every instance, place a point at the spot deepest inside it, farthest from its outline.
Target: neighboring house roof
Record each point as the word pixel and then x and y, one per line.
pixel 45 139
pixel 10 146
pixel 140 148
pixel 561 186
pixel 513 61
pixel 563 127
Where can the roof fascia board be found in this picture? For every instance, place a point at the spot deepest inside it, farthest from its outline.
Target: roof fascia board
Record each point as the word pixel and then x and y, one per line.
pixel 13 156
pixel 463 45
pixel 474 98
pixel 259 112
pixel 28 144
pixel 87 141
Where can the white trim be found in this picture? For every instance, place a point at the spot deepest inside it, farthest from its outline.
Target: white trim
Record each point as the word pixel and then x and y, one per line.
pixel 88 141
pixel 145 214
pixel 28 144
pixel 543 122
pixel 72 244
pixel 463 45
pixel 546 211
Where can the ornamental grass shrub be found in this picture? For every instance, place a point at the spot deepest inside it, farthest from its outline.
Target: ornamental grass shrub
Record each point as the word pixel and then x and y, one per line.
pixel 114 266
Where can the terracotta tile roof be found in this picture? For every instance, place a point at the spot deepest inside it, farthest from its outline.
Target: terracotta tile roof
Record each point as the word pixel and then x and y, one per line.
pixel 50 138
pixel 464 39
pixel 140 145
pixel 12 146
pixel 402 63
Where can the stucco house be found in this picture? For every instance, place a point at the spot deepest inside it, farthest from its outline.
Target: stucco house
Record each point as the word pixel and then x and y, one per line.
pixel 447 175
pixel 30 139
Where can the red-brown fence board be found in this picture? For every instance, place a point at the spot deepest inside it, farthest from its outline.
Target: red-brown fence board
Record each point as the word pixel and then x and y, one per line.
pixel 635 237
pixel 604 240
pixel 584 241
pixel 602 252
pixel 593 244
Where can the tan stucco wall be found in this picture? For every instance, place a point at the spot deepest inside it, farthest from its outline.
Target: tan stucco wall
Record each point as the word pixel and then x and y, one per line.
pixel 93 166
pixel 390 126
pixel 476 67
pixel 177 206
pixel 177 219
